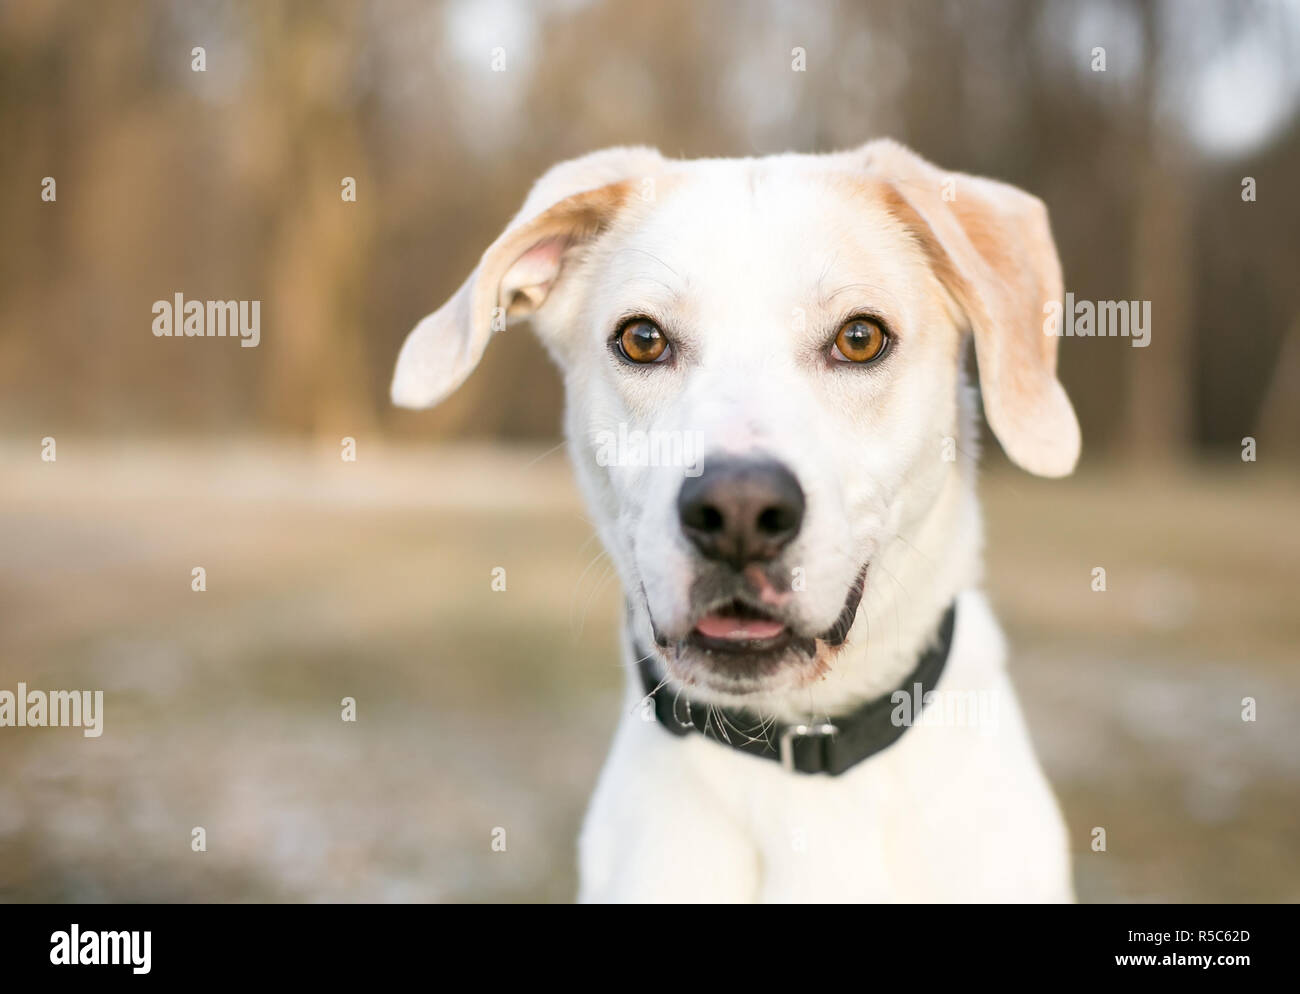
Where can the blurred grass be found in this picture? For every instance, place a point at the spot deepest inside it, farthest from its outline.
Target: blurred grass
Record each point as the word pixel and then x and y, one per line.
pixel 481 710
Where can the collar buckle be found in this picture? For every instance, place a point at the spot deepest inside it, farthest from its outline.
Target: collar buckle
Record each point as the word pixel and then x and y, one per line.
pixel 791 732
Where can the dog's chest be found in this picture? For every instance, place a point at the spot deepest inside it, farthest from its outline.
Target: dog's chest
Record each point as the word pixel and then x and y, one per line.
pixel 905 825
pixel 950 812
pixel 957 809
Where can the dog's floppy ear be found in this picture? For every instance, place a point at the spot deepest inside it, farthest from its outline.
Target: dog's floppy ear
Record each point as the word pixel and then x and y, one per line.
pixel 568 206
pixel 991 246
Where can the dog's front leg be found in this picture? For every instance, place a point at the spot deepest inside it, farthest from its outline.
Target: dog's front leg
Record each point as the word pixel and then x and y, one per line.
pixel 655 832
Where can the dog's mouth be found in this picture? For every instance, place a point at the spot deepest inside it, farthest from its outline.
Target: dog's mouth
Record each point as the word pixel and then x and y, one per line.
pixel 739 627
pixel 741 646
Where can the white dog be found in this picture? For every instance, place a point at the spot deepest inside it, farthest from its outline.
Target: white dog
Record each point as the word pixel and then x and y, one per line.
pixel 817 706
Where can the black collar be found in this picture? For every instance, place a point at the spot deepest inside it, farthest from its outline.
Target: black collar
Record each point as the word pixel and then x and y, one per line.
pixel 827 747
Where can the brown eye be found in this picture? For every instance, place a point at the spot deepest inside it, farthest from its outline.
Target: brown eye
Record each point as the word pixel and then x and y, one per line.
pixel 641 341
pixel 860 340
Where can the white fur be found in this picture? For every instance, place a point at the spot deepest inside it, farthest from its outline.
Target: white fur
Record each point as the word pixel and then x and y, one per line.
pixel 750 265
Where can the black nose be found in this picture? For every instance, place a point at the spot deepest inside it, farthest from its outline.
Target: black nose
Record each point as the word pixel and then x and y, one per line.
pixel 740 512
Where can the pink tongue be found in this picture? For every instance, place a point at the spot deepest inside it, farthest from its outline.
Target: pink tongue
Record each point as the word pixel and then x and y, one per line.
pixel 721 626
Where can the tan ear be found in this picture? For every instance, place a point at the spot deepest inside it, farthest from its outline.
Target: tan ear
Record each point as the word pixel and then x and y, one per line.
pixel 569 205
pixel 991 246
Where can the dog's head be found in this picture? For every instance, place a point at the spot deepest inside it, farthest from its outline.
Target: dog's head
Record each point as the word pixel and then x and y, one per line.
pixel 762 360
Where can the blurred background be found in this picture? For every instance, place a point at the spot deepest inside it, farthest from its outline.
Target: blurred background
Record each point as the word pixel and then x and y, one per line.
pixel 482 710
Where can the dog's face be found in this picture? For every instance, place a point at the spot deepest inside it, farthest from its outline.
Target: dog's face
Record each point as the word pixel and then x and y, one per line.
pixel 762 366
pixel 787 333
